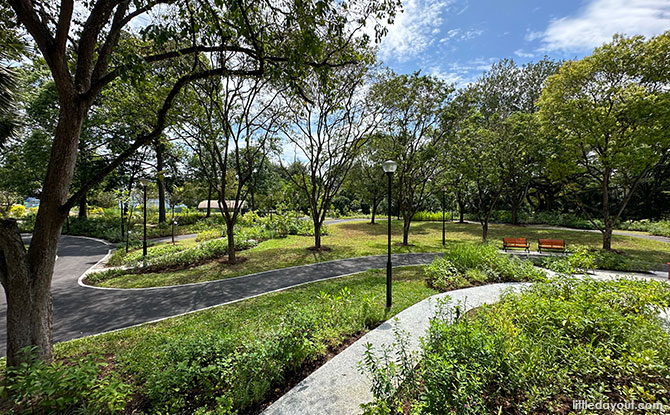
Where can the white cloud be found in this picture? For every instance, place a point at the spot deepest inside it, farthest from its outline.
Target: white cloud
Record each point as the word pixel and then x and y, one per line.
pixel 601 19
pixel 520 53
pixel 413 30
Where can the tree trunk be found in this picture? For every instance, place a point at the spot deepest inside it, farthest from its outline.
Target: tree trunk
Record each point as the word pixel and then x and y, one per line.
pixel 26 276
pixel 374 210
pixel 160 163
pixel 485 229
pixel 515 214
pixel 209 198
pixel 461 206
pixel 607 238
pixel 83 208
pixel 461 211
pixel 317 233
pixel 607 219
pixel 230 234
pixel 407 221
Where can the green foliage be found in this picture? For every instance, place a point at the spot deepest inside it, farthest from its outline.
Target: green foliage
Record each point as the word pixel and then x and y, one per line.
pixel 443 275
pixel 580 258
pixel 583 259
pixel 465 265
pixel 393 377
pixel 537 350
pixel 36 387
pixel 17 211
pixel 135 258
pixel 209 235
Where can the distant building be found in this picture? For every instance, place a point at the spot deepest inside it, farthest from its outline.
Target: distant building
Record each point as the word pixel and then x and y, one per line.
pixel 214 204
pixel 31 202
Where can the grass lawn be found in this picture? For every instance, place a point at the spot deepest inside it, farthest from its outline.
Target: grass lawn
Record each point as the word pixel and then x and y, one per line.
pixel 353 239
pixel 147 356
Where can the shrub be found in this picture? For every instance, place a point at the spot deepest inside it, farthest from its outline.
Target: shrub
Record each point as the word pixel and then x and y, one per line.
pixel 195 370
pixel 135 258
pixel 443 275
pixel 468 264
pixel 17 211
pixel 209 235
pixel 538 349
pixel 36 387
pixel 581 258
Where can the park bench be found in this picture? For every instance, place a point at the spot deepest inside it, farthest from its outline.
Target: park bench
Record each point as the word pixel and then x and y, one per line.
pixel 551 244
pixel 515 243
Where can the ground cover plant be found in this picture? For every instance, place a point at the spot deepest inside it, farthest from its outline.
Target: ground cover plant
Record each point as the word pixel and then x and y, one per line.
pixel 466 265
pixel 231 358
pixel 353 239
pixel 535 352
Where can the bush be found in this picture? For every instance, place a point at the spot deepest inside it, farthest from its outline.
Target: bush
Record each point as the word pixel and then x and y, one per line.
pixel 40 388
pixel 209 235
pixel 197 369
pixel 135 258
pixel 17 211
pixel 443 275
pixel 469 264
pixel 341 204
pixel 581 258
pixel 537 350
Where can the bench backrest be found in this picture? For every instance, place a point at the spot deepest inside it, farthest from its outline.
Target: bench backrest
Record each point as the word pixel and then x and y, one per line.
pixel 552 242
pixel 514 241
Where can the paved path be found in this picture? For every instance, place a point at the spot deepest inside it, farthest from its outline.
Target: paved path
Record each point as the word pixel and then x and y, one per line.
pixel 82 311
pixel 339 388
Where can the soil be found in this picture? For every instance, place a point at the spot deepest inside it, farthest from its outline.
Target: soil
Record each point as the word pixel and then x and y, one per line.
pixel 321 249
pixel 402 244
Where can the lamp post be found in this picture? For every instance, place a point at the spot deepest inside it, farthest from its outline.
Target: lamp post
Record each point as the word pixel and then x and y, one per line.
pixel 144 183
pixel 389 167
pixel 444 218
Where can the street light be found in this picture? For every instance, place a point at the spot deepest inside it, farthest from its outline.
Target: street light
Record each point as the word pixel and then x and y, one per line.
pixel 144 183
pixel 444 206
pixel 389 167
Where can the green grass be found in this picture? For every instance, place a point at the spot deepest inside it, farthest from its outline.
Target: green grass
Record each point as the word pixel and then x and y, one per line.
pixel 341 307
pixel 353 239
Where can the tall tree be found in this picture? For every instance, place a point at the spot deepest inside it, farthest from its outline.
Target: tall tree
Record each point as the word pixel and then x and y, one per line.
pixel 412 108
pixel 232 131
pixel 85 56
pixel 611 113
pixel 328 132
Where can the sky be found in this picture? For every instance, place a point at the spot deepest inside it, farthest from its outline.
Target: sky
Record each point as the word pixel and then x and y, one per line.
pixel 457 40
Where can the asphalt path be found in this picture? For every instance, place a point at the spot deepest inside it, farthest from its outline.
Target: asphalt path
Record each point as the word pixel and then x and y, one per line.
pixel 82 311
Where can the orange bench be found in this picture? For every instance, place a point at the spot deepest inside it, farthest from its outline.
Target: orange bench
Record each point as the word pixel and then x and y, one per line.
pixel 516 243
pixel 551 244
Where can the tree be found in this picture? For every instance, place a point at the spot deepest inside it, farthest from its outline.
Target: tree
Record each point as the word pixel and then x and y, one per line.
pixel 412 111
pixel 328 133
pixel 86 54
pixel 367 179
pixel 610 112
pixel 232 130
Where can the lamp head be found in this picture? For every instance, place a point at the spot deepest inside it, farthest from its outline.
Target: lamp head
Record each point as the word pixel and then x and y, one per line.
pixel 389 166
pixel 145 182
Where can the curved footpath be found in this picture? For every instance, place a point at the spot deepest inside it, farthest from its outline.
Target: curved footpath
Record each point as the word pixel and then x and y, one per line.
pixel 82 311
pixel 339 387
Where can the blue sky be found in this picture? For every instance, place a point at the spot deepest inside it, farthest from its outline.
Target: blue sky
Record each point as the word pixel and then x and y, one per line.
pixel 459 39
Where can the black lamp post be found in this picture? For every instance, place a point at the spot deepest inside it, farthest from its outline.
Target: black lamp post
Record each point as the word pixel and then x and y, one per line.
pixel 389 167
pixel 444 218
pixel 144 183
